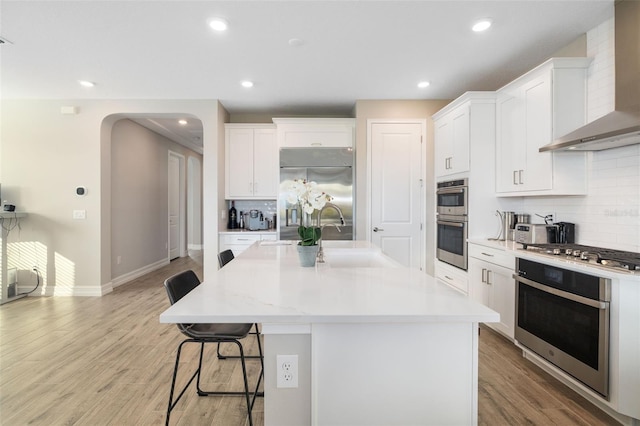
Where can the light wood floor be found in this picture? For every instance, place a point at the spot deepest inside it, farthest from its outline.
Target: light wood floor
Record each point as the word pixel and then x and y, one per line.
pixel 108 361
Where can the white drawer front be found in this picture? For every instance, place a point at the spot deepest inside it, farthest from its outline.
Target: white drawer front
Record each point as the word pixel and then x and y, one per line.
pixel 241 238
pixel 491 255
pixel 452 276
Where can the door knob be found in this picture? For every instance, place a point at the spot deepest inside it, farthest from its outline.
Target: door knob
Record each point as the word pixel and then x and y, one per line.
pixel 376 229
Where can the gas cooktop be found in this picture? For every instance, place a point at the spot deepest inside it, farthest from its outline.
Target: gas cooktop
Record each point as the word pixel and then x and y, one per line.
pixel 616 260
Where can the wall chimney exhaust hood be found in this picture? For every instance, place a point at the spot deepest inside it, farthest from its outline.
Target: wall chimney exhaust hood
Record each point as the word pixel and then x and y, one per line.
pixel 622 126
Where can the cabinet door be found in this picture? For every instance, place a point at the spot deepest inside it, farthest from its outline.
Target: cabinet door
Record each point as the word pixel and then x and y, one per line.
pixel 509 142
pixel 265 163
pixel 459 161
pixel 502 297
pixel 494 286
pixel 443 141
pixel 478 290
pixel 239 164
pixel 538 171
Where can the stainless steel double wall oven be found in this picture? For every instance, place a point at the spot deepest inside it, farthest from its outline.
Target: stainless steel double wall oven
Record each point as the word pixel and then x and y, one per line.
pixel 452 212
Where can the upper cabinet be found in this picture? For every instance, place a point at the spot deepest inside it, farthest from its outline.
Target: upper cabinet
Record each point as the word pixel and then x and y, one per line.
pixel 251 161
pixel 315 132
pixel 455 132
pixel 533 110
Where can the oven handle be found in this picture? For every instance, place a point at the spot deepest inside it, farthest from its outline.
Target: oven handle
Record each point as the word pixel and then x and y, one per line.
pixel 455 224
pixel 450 190
pixel 560 293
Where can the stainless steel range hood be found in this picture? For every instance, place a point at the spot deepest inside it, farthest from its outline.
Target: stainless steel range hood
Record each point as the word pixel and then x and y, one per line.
pixel 622 126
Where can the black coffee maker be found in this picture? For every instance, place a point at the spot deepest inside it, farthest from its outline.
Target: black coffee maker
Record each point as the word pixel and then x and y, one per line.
pixel 566 233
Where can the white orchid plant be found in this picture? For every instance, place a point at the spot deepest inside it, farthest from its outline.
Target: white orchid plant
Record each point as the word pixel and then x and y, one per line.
pixel 309 198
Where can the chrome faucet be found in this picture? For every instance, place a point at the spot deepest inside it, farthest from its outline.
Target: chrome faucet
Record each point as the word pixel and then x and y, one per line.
pixel 320 256
pixel 333 206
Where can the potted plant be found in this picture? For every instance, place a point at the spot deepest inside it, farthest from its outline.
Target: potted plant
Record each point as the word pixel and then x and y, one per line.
pixel 307 195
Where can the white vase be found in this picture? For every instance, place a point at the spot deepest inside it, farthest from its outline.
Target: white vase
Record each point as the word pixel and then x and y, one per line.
pixel 307 255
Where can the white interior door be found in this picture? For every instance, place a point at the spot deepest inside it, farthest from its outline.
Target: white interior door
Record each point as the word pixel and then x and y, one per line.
pixel 174 207
pixel 396 190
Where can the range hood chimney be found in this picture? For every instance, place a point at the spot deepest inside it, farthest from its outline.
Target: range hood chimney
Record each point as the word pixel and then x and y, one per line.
pixel 622 126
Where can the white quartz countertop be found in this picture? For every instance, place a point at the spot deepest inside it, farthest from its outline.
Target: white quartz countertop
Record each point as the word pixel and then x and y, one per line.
pixel 265 284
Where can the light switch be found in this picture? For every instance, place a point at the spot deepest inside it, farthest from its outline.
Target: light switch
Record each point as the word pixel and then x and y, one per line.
pixel 79 214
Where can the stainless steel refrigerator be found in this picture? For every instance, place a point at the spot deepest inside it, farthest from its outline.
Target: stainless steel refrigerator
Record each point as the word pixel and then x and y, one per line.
pixel 332 170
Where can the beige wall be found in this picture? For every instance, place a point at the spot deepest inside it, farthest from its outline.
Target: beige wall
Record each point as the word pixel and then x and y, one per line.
pixel 389 109
pixel 45 155
pixel 139 188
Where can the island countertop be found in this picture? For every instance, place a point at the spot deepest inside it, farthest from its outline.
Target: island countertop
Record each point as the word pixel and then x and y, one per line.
pixel 265 284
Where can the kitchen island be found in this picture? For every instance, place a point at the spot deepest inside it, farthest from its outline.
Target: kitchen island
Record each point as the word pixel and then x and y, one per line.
pixel 376 343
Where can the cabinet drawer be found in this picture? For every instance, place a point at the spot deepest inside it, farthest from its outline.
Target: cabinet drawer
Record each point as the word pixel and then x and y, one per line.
pixel 240 238
pixel 452 276
pixel 492 255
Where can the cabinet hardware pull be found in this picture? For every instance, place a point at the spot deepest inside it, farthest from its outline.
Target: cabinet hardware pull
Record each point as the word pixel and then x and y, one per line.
pixel 316 143
pixel 484 279
pixel 489 272
pixel 515 182
pixel 520 176
pixel 376 229
pixel 448 277
pixel 487 254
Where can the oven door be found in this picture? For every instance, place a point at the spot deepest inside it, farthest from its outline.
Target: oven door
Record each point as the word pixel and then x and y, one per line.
pixel 452 201
pixel 568 330
pixel 452 241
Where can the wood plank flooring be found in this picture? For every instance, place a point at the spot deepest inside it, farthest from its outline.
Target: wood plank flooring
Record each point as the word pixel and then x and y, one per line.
pixel 108 361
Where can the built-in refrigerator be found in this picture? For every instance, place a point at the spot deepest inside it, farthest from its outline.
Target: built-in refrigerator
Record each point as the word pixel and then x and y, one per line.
pixel 332 170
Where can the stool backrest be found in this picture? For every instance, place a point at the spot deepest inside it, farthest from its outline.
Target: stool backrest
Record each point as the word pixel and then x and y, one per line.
pixel 225 257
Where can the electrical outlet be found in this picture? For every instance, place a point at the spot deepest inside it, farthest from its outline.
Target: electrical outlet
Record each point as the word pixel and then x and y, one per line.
pixel 287 371
pixel 79 214
pixel 551 217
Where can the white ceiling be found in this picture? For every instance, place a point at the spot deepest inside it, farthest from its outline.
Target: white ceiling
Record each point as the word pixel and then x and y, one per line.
pixel 351 50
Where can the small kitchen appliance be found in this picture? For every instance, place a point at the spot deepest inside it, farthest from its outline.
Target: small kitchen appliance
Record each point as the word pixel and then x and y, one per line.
pixel 534 233
pixel 256 221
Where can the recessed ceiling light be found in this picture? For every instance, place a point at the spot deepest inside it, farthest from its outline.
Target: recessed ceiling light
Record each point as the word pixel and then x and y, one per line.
pixel 423 84
pixel 182 122
pixel 296 42
pixel 85 83
pixel 481 25
pixel 246 83
pixel 219 24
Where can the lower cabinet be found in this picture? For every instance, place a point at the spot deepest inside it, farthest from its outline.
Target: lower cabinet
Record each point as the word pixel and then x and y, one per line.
pixel 240 241
pixel 491 283
pixel 452 276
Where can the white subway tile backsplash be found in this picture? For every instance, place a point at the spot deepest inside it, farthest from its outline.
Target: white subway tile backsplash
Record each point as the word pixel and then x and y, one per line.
pixel 609 215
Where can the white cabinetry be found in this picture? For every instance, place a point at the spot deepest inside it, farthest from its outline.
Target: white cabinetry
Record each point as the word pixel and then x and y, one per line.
pixel 452 141
pixel 238 242
pixel 315 132
pixel 546 103
pixel 491 283
pixel 452 276
pixel 251 161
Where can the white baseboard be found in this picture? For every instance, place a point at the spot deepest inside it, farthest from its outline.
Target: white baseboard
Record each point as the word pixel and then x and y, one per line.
pixel 95 291
pixel 194 247
pixel 123 279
